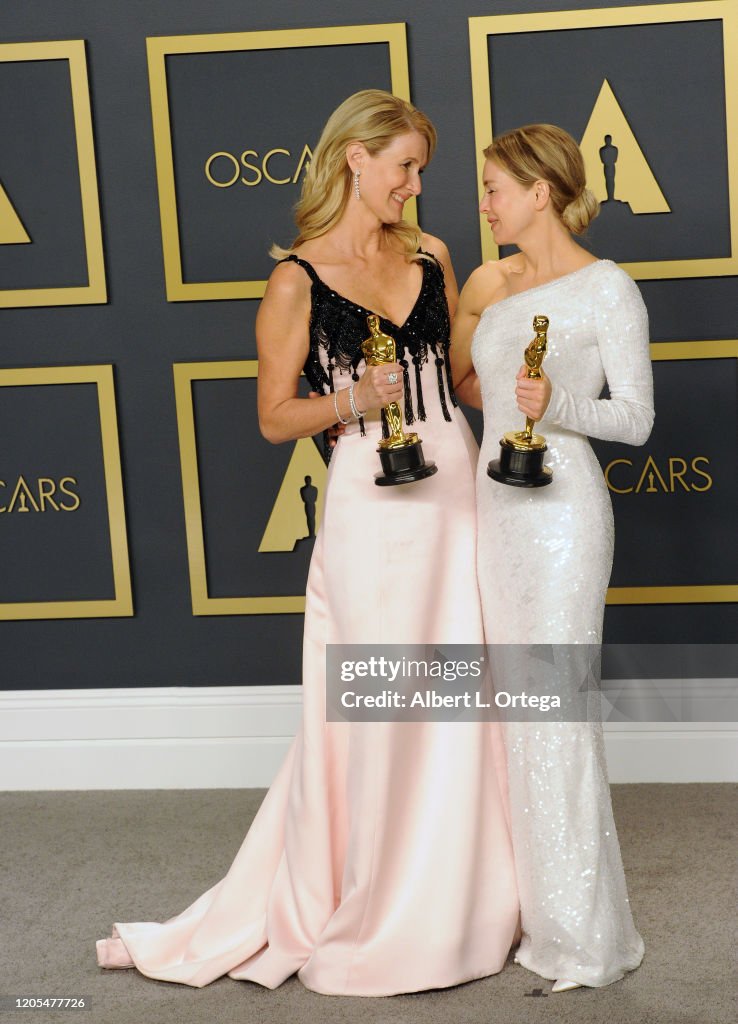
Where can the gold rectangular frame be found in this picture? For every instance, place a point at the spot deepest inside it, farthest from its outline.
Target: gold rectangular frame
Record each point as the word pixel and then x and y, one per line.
pixel 202 603
pixel 94 292
pixel 122 604
pixel 160 47
pixel 702 594
pixel 607 17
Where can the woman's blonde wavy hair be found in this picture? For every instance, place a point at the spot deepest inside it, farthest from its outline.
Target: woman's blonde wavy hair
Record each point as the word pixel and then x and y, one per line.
pixel 543 152
pixel 375 118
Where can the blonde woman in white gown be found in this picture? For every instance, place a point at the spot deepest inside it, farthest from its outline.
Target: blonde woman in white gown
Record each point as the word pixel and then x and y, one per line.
pixel 545 553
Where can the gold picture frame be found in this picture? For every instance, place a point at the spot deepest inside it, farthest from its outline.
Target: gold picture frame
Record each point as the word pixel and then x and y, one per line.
pixel 122 604
pixel 202 603
pixel 725 11
pixel 94 292
pixel 160 47
pixel 697 594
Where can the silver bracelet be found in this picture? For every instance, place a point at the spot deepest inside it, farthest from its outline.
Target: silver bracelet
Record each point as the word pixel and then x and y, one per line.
pixel 354 411
pixel 339 417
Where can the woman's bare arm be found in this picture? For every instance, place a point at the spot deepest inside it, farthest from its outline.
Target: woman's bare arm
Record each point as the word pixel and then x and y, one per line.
pixel 475 296
pixel 282 342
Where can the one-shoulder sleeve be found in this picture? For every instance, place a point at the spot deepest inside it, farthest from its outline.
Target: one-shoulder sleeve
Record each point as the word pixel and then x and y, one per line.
pixel 623 343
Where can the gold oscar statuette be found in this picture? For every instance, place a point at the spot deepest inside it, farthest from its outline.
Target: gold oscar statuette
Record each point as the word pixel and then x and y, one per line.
pixel 521 451
pixel 401 454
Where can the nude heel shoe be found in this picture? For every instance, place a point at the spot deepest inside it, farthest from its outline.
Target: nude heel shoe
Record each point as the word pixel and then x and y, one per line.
pixel 113 955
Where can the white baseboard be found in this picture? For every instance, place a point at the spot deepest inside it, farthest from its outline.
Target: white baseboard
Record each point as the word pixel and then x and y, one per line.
pixel 236 737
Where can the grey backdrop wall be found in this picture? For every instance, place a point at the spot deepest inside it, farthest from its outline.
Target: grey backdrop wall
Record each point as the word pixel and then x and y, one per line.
pixel 251 112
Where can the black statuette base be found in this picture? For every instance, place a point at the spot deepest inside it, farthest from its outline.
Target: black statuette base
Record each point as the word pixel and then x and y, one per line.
pixel 520 469
pixel 403 466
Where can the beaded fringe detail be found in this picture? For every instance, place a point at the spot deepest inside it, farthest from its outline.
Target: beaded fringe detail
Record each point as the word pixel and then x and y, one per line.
pixel 338 328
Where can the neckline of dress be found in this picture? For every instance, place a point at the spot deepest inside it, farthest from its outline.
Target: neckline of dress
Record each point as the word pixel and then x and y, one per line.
pixel 540 287
pixel 371 312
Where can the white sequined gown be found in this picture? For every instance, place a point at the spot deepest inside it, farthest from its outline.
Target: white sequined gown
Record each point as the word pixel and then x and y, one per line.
pixel 544 562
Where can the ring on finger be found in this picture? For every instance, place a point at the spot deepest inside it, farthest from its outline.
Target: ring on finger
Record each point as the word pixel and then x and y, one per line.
pixel 392 378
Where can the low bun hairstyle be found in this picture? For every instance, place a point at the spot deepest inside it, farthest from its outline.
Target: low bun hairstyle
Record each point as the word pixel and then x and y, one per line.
pixel 543 152
pixel 580 211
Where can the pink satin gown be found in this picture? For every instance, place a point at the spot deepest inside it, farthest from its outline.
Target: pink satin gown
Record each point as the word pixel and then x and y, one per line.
pixel 380 860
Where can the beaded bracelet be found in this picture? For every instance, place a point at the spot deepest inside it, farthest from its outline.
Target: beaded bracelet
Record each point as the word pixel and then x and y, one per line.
pixel 354 411
pixel 339 417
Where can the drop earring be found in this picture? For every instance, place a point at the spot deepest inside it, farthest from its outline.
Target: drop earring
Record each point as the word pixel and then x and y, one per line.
pixel 357 193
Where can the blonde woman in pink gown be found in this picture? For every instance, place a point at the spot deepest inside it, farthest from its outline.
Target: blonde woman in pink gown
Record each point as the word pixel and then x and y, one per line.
pixel 380 860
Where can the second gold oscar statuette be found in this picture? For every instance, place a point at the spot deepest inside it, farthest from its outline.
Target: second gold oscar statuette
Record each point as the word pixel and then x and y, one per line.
pixel 521 451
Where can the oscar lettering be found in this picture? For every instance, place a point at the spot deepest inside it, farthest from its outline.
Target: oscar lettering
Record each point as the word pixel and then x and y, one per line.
pixel 401 454
pixel 521 451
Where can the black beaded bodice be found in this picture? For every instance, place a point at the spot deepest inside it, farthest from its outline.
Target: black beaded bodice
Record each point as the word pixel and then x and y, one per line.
pixel 338 327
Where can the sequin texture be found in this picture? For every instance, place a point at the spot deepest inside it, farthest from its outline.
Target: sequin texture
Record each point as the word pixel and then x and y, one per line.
pixel 544 563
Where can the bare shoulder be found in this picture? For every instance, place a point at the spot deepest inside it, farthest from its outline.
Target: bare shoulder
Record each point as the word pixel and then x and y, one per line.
pixel 514 264
pixel 436 248
pixel 282 320
pixel 288 285
pixel 485 285
pixel 284 312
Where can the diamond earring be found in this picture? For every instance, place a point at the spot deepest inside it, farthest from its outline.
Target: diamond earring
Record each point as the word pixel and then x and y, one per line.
pixel 357 193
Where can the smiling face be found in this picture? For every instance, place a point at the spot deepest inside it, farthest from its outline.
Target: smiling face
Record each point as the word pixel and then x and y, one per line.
pixel 508 206
pixel 392 176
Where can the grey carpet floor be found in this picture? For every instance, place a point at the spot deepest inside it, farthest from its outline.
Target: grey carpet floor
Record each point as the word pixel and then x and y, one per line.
pixel 72 862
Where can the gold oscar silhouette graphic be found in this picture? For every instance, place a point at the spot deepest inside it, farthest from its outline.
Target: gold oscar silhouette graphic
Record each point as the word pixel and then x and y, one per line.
pixel 401 454
pixel 521 451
